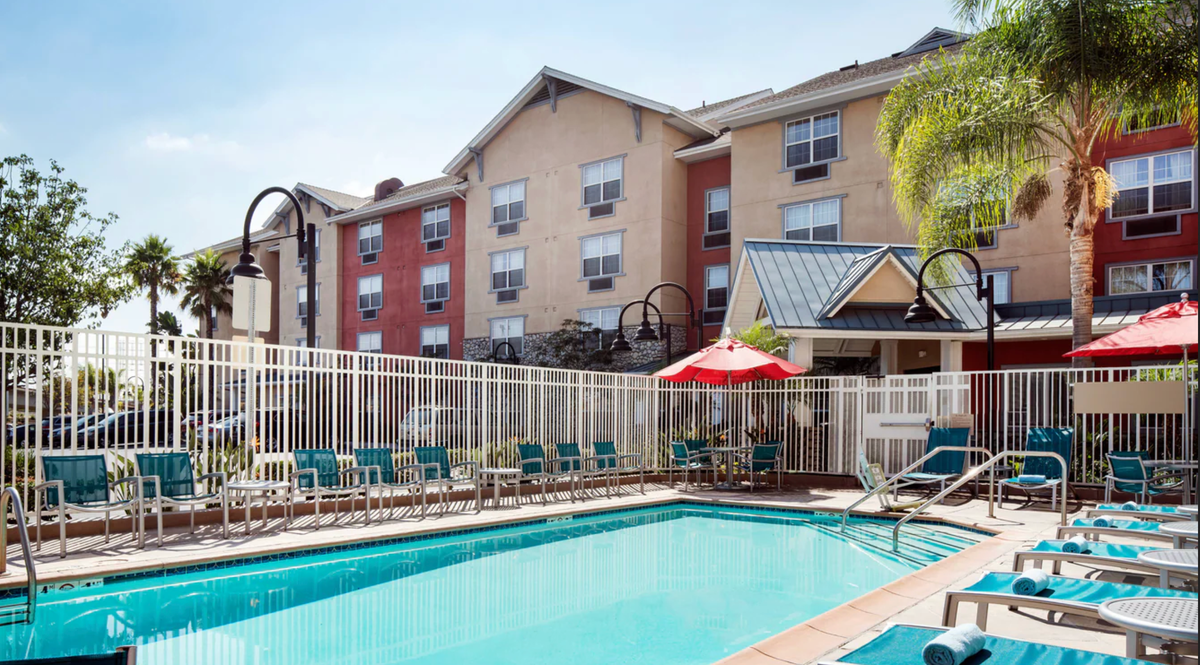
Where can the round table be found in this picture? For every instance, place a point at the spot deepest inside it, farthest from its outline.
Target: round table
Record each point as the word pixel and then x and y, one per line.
pixel 498 476
pixel 729 451
pixel 1180 532
pixel 1188 510
pixel 1169 561
pixel 1167 618
pixel 265 490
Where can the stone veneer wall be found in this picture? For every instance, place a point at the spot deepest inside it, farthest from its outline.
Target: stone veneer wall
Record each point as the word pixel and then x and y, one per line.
pixel 643 352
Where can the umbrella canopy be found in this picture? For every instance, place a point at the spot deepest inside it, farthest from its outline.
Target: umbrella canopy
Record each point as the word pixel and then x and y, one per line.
pixel 727 363
pixel 1167 330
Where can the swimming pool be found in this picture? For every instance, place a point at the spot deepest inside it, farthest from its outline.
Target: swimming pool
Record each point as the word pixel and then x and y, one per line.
pixel 682 583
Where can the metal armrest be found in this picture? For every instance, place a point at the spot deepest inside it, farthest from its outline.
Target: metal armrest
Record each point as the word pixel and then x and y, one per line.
pixel 540 461
pixel 50 484
pixel 217 475
pixel 364 473
pixel 636 456
pixel 559 461
pixel 1129 480
pixel 296 474
pixel 419 468
pixel 469 463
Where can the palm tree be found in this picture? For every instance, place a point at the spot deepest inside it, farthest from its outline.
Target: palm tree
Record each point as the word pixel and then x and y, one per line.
pixel 168 324
pixel 153 268
pixel 973 138
pixel 206 289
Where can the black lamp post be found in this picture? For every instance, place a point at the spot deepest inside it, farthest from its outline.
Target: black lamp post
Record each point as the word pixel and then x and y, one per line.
pixel 511 358
pixel 645 332
pixel 921 312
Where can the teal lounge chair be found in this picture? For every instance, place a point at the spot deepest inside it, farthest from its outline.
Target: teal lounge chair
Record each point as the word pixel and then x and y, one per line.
pixel 902 645
pixel 439 470
pixel 317 477
pixel 1130 475
pixel 608 460
pixel 79 483
pixel 688 460
pixel 1122 528
pixel 1107 555
pixel 1064 594
pixel 570 459
pixel 1141 512
pixel 943 467
pixel 1046 440
pixel 535 467
pixel 763 459
pixel 170 480
pixel 387 478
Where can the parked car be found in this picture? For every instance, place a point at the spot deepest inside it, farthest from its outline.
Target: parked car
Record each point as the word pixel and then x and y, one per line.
pixel 68 427
pixel 130 429
pixel 25 434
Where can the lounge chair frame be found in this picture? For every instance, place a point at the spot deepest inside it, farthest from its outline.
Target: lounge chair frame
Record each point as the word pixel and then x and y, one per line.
pixel 138 527
pixel 1094 533
pixel 694 461
pixel 1044 443
pixel 1057 559
pixel 1147 481
pixel 190 501
pixel 445 479
pixel 392 488
pixel 335 492
pixel 613 463
pixel 746 464
pixel 545 476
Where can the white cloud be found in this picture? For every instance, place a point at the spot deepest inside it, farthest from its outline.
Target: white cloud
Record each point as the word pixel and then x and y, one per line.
pixel 197 143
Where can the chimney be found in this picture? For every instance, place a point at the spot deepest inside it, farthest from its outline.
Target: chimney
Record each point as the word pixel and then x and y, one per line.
pixel 387 187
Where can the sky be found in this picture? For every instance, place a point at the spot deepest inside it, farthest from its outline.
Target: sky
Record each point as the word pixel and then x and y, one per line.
pixel 175 115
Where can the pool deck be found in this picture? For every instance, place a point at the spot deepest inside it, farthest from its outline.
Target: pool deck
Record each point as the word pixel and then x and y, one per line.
pixel 916 598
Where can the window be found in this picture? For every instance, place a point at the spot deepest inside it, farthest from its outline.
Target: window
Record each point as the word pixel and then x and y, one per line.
pixel 602 182
pixel 370 292
pixel 601 255
pixel 370 239
pixel 811 140
pixel 508 203
pixel 302 303
pixel 1002 281
pixel 302 342
pixel 604 326
pixel 818 220
pixel 1151 227
pixel 300 260
pixel 716 293
pixel 508 272
pixel 370 342
pixel 510 330
pixel 212 314
pixel 1152 185
pixel 1150 277
pixel 435 283
pixel 435 341
pixel 435 227
pixel 716 218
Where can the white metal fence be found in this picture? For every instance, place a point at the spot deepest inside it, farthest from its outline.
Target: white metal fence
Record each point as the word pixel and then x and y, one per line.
pixel 70 391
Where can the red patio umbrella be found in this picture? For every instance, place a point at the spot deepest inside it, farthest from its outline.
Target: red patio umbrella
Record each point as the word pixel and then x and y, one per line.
pixel 728 363
pixel 1164 331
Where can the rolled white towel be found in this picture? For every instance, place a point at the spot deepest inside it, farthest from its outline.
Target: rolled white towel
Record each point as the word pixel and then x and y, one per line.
pixel 954 646
pixel 1076 545
pixel 1031 479
pixel 1031 582
pixel 1129 505
pixel 1102 522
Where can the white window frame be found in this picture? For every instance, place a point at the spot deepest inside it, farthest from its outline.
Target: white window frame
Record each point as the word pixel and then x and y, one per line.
pixel 507 204
pixel 303 288
pixel 600 238
pixel 837 200
pixel 436 331
pixel 369 280
pixel 600 166
pixel 709 210
pixel 1008 277
pixel 434 268
pixel 436 210
pixel 812 120
pixel 507 322
pixel 708 287
pixel 374 341
pixel 1149 268
pixel 598 328
pixel 507 255
pixel 302 342
pixel 374 229
pixel 214 314
pixel 1151 183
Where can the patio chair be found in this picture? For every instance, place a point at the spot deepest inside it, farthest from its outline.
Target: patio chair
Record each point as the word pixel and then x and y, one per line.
pixel 688 460
pixel 570 459
pixel 1120 528
pixel 607 459
pixel 317 476
pixel 1064 594
pixel 902 644
pixel 79 483
pixel 941 468
pixel 871 476
pixel 1108 555
pixel 170 480
pixel 438 469
pixel 1129 474
pixel 1045 440
pixel 387 477
pixel 1141 512
pixel 534 467
pixel 764 458
pixel 122 656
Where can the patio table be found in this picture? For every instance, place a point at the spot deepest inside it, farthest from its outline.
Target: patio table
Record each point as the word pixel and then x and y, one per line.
pixel 729 451
pixel 497 477
pixel 1180 532
pixel 1178 465
pixel 1169 561
pixel 1166 618
pixel 265 490
pixel 1188 510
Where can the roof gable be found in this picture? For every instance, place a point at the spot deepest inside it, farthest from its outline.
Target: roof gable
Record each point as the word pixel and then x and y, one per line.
pixel 874 279
pixel 932 41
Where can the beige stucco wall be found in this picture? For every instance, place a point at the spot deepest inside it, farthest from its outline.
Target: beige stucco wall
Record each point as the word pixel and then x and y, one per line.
pixel 290 278
pixel 548 149
pixel 1036 248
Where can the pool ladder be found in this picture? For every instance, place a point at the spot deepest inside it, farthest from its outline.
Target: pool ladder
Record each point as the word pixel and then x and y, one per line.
pixel 19 612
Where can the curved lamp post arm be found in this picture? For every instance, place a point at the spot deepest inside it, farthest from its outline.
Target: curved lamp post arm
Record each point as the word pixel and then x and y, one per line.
pixel 984 292
pixel 691 303
pixel 980 290
pixel 644 303
pixel 511 349
pixel 262 195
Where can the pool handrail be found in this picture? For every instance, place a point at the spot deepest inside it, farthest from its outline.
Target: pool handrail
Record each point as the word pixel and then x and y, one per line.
pixel 10 495
pixel 909 469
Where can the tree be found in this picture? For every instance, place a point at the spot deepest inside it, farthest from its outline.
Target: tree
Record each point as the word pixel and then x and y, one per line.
pixel 55 267
pixel 764 338
pixel 154 270
pixel 973 138
pixel 567 348
pixel 206 289
pixel 168 324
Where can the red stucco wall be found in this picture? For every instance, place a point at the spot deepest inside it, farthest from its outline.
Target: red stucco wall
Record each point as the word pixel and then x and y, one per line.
pixel 703 176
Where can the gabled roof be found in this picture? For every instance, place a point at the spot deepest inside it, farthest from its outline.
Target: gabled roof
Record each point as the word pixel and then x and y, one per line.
pixel 234 243
pixel 806 285
pixel 710 111
pixel 1109 313
pixel 685 123
pixel 406 197
pixel 336 201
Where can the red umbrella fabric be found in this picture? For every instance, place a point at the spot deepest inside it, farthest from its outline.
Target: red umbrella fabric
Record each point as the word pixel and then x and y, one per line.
pixel 727 363
pixel 1165 331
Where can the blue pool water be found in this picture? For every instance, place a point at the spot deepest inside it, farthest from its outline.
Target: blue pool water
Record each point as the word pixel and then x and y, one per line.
pixel 679 584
